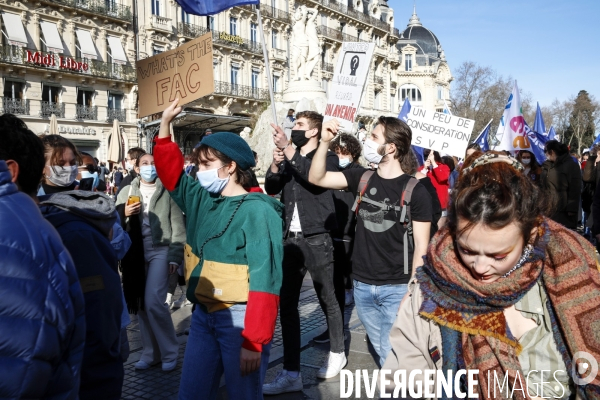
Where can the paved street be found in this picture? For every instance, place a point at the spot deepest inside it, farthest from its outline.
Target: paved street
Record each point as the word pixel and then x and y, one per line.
pixel 156 384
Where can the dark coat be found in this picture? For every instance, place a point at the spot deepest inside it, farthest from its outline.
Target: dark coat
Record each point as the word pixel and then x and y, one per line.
pixel 96 263
pixel 315 205
pixel 42 319
pixel 563 179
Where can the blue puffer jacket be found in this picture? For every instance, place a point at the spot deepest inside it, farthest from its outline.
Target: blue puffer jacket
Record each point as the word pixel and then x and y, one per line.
pixel 42 320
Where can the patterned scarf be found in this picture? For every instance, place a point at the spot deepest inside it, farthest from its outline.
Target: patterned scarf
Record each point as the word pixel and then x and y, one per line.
pixel 475 334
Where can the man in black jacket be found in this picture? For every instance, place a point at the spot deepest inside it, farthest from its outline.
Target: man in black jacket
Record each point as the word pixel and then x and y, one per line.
pixel 132 155
pixel 309 219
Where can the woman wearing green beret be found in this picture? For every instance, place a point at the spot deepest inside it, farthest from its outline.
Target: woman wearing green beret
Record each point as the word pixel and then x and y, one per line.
pixel 233 260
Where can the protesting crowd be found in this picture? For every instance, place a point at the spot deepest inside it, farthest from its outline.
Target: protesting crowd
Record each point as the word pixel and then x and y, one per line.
pixel 484 263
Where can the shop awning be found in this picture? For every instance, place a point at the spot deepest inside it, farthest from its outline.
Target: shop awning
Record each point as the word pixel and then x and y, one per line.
pixel 116 50
pixel 51 37
pixel 14 29
pixel 86 44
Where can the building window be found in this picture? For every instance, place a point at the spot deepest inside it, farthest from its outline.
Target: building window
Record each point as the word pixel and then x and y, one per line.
pixel 377 40
pixel 210 23
pixel 234 75
pixel 392 105
pixel 13 90
pixel 274 3
pixel 233 26
pixel 376 103
pixel 115 101
pixel 275 83
pixel 342 27
pixel 50 94
pixel 157 50
pixel 253 32
pixel 255 75
pixel 274 40
pixel 408 62
pixel 325 86
pixel 440 92
pixel 216 69
pixel 323 19
pixel 155 7
pixel 185 17
pixel 412 92
pixel 84 97
pixel 359 33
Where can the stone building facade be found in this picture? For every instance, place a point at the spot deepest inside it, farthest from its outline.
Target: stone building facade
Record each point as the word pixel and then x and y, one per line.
pixel 74 59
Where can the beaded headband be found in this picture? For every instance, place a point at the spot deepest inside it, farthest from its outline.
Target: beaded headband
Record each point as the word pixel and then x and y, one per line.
pixel 489 158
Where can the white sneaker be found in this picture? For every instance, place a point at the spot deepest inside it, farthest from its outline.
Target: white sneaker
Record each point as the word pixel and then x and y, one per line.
pixel 283 383
pixel 141 365
pixel 169 299
pixel 333 365
pixel 179 302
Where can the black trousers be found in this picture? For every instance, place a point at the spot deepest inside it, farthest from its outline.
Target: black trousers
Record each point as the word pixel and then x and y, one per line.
pixel 315 255
pixel 342 270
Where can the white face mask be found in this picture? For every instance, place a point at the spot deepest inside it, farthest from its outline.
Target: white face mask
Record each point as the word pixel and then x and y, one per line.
pixel 210 180
pixel 525 161
pixel 128 165
pixel 370 152
pixel 344 162
pixel 62 176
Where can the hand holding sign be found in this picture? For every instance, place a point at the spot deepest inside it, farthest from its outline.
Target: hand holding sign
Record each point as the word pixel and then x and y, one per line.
pixel 329 130
pixel 167 117
pixel 279 137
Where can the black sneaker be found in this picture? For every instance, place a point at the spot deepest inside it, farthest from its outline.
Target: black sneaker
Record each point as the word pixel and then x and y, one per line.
pixel 322 338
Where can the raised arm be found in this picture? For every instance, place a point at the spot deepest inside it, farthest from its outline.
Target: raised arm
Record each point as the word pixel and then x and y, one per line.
pixel 318 174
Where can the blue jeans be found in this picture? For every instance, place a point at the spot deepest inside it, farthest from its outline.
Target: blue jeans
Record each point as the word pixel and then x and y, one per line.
pixel 213 348
pixel 377 307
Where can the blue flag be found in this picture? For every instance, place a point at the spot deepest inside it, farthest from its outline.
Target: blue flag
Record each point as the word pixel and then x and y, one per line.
pixel 209 7
pixel 483 139
pixel 537 142
pixel 596 141
pixel 538 125
pixel 551 133
pixel 404 117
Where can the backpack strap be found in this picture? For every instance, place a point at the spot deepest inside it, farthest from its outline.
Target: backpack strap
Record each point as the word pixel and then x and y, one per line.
pixel 405 218
pixel 362 188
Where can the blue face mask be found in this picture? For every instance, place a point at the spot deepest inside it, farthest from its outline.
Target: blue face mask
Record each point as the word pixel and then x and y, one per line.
pixel 210 180
pixel 148 173
pixel 87 174
pixel 344 162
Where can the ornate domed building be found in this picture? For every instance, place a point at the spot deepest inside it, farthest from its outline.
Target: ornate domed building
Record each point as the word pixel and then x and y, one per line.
pixel 424 75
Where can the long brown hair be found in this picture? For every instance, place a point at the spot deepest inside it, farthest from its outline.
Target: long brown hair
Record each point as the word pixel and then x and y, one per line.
pixel 496 195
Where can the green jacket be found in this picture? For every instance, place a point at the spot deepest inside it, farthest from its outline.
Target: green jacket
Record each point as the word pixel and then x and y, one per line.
pixel 166 219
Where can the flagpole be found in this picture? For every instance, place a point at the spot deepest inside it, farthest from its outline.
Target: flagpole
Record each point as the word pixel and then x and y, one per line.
pixel 267 67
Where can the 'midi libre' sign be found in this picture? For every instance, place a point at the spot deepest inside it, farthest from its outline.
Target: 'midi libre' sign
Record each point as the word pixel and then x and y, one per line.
pixel 51 60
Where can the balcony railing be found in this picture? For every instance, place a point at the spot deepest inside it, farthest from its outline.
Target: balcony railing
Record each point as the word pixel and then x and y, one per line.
pixel 191 30
pixel 48 109
pixel 246 92
pixel 86 112
pixel 349 38
pixel 161 23
pixel 44 60
pixel 108 8
pixel 15 106
pixel 220 38
pixel 330 33
pixel 119 115
pixel 328 67
pixel 274 13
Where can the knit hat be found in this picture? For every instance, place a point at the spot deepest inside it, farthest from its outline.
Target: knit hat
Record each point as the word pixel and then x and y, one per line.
pixel 233 146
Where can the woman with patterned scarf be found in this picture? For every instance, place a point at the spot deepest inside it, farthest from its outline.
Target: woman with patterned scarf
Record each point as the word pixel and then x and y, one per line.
pixel 505 291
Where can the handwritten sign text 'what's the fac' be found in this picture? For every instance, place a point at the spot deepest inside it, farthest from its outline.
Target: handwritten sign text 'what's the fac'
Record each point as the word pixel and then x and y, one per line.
pixel 445 133
pixel 185 72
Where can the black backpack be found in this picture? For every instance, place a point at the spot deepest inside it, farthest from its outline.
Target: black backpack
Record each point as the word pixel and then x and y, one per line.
pixel 405 217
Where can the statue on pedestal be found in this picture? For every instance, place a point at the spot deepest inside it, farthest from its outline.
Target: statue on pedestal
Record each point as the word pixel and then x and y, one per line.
pixel 314 50
pixel 299 44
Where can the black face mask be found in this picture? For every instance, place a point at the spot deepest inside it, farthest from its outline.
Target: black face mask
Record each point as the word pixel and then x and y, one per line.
pixel 299 138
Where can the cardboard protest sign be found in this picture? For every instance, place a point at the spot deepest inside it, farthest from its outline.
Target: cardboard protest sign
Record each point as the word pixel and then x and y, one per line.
pixel 185 73
pixel 445 133
pixel 349 78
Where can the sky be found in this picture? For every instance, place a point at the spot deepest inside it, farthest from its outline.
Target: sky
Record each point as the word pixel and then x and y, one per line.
pixel 549 46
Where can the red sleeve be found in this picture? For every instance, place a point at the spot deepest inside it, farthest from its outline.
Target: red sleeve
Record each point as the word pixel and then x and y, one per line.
pixel 441 174
pixel 259 323
pixel 168 161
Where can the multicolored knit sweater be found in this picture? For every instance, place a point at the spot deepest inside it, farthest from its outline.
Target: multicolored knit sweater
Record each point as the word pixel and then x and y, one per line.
pixel 228 260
